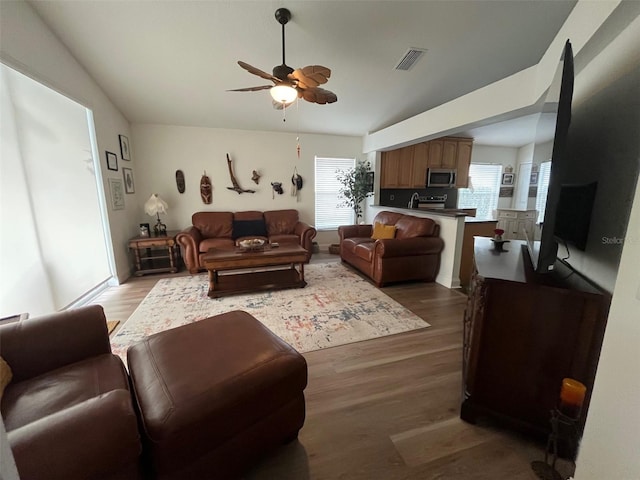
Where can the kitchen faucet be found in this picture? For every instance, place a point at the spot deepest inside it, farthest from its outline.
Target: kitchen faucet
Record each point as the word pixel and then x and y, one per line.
pixel 415 198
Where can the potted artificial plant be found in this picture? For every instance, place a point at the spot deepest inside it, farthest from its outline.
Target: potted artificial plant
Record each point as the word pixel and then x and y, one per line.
pixel 355 187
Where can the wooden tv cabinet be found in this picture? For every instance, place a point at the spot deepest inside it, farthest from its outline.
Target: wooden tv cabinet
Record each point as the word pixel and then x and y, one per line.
pixel 524 333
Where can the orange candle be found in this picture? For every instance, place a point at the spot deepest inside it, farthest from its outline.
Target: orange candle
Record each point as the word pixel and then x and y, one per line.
pixel 572 397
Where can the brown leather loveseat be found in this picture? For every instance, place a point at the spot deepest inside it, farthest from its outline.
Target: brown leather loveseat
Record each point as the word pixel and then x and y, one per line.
pixel 413 252
pixel 67 410
pixel 224 229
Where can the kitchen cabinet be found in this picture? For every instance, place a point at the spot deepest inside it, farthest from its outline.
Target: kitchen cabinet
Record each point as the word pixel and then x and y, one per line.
pixel 407 167
pixel 463 160
pixel 420 165
pixel 516 222
pixel 397 168
pixel 435 153
pixel 390 163
pixel 523 333
pixel 449 153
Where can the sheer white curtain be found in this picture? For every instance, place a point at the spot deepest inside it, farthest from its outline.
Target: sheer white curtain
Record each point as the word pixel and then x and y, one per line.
pixel 52 242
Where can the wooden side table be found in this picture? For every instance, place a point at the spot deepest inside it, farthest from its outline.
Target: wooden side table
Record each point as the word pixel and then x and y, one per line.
pixel 155 254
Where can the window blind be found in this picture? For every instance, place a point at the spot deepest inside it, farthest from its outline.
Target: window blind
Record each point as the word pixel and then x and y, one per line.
pixel 543 187
pixel 484 187
pixel 51 192
pixel 329 214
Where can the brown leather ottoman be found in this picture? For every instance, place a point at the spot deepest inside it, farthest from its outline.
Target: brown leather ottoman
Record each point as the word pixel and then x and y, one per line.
pixel 215 395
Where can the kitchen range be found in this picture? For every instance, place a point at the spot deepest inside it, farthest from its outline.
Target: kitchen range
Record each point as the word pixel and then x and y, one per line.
pixel 427 202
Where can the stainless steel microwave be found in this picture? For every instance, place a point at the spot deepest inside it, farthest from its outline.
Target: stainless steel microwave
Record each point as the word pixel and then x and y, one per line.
pixel 441 177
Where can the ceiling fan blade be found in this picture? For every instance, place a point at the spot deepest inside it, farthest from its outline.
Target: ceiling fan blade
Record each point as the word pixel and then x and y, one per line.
pixel 311 75
pixel 318 95
pixel 251 89
pixel 257 71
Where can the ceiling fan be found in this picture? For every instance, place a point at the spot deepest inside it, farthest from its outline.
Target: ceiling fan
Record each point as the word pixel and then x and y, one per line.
pixel 289 84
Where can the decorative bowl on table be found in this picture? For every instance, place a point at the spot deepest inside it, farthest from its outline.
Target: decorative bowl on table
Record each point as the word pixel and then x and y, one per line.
pixel 252 243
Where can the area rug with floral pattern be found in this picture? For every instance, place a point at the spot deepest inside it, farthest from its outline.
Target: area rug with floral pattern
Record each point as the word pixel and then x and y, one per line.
pixel 335 308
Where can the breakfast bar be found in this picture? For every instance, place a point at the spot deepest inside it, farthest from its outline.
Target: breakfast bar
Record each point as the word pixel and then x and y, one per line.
pixel 452 223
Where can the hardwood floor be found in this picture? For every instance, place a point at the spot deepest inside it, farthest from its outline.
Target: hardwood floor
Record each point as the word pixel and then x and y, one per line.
pixel 385 408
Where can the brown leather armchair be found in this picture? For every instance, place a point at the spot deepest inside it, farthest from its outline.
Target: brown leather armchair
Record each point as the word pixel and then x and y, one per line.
pixel 413 254
pixel 223 229
pixel 68 411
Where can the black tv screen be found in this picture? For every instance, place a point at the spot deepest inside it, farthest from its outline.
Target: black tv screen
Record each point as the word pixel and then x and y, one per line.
pixel 558 98
pixel 573 214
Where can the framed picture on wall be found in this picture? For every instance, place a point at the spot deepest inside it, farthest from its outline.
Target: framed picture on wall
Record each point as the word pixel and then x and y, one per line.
pixel 506 192
pixel 369 181
pixel 534 178
pixel 508 178
pixel 117 193
pixel 124 147
pixel 129 186
pixel 112 161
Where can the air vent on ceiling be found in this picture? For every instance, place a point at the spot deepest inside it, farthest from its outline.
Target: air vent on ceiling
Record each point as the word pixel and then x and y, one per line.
pixel 410 58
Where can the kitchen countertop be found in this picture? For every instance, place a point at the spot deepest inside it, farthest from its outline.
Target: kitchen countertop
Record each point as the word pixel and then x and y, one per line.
pixel 445 212
pixel 478 220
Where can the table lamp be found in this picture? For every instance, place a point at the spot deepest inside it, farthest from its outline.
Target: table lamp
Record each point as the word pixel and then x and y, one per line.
pixel 155 206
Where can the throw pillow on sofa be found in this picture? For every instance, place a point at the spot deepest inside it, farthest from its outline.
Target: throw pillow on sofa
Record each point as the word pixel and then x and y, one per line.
pixel 249 228
pixel 382 231
pixel 5 375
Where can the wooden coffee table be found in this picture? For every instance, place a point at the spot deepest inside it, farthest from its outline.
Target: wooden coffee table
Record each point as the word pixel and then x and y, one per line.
pixel 271 268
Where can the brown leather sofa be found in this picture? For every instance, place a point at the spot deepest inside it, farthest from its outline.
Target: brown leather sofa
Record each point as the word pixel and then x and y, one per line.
pixel 413 254
pixel 68 411
pixel 224 229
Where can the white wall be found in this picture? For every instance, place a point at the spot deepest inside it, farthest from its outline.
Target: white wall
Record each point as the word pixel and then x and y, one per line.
pixel 160 150
pixel 27 45
pixel 505 156
pixel 611 439
pixel 603 147
pixel 523 172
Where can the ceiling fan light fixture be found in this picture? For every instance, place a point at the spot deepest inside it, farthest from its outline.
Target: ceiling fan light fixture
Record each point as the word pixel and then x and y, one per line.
pixel 291 84
pixel 283 94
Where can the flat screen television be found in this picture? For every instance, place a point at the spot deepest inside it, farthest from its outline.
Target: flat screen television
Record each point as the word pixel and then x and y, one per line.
pixel 558 97
pixel 573 214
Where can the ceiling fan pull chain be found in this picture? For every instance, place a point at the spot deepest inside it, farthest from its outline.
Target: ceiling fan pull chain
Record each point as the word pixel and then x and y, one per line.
pixel 298 136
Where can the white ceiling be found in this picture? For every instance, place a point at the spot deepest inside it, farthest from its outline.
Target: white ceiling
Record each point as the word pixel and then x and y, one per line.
pixel 537 127
pixel 172 61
